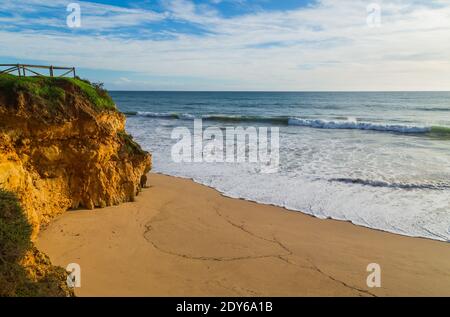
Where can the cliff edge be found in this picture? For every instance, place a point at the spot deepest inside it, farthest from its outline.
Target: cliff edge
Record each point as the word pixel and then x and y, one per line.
pixel 63 146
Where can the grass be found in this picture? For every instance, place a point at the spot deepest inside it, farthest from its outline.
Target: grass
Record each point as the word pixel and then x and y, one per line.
pixel 41 87
pixel 95 92
pixel 39 279
pixel 53 90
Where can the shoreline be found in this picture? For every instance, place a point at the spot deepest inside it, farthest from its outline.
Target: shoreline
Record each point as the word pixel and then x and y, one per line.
pixel 181 238
pixel 286 209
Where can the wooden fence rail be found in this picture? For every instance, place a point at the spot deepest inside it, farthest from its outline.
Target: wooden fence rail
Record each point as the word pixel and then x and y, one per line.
pixel 22 70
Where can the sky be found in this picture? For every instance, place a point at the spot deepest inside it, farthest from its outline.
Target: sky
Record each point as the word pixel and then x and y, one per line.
pixel 237 45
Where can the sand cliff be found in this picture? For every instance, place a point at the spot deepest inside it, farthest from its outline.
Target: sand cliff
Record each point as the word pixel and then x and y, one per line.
pixel 63 146
pixel 69 154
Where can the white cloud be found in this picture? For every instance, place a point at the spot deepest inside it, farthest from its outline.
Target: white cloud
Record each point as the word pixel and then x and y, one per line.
pixel 327 46
pixel 96 16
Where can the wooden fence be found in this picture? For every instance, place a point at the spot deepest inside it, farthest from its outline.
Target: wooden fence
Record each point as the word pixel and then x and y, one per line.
pixel 25 70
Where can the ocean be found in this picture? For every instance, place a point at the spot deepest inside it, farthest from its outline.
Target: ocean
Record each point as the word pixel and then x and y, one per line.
pixel 377 159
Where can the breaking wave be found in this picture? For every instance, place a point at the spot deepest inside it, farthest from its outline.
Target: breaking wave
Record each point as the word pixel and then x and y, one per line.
pixel 349 124
pixel 410 186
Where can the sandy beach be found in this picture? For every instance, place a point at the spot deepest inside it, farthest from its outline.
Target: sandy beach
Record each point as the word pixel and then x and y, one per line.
pixel 183 239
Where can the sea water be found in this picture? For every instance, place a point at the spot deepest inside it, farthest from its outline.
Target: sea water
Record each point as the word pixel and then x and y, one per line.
pixel 380 160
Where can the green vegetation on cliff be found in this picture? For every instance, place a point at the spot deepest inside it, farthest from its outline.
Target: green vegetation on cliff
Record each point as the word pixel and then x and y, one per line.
pixel 24 271
pixel 130 145
pixel 51 91
pixel 95 92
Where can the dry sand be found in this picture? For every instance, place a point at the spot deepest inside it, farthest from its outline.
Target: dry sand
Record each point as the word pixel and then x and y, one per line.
pixel 183 239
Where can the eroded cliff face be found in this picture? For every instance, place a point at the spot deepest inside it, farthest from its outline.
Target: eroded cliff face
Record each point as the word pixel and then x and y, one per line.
pixel 63 152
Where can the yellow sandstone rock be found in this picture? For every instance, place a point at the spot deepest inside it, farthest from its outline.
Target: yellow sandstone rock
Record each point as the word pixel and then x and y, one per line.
pixel 66 154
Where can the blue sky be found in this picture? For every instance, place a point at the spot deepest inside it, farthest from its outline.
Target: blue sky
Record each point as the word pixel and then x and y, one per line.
pixel 287 45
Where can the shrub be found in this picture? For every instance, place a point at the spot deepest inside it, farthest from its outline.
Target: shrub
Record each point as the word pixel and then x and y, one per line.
pixel 15 231
pixel 130 145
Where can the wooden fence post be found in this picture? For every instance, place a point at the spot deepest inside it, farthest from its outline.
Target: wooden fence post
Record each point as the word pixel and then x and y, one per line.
pixel 51 70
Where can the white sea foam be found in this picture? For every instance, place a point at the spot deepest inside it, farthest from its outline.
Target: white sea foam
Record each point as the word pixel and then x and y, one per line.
pixel 381 181
pixel 356 125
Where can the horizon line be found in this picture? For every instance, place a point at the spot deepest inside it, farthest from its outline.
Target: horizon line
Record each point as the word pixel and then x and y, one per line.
pixel 283 91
